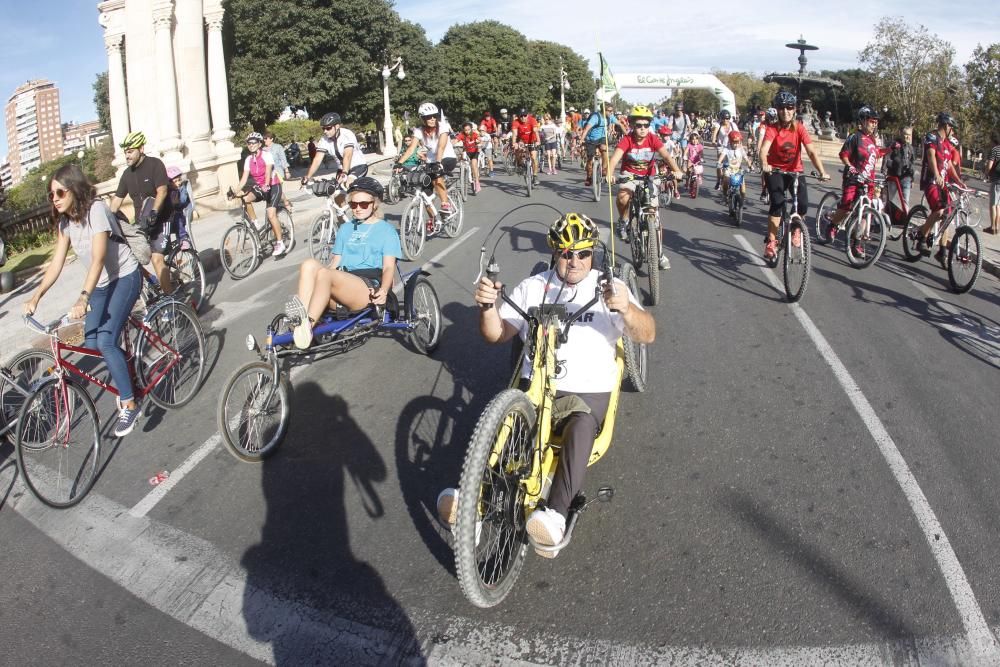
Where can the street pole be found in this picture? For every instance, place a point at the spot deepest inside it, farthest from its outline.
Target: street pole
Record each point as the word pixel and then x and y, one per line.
pixel 562 92
pixel 388 142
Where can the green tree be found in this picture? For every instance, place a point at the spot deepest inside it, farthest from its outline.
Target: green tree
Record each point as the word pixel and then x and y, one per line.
pixel 911 70
pixel 31 191
pixel 295 129
pixel 983 78
pixel 102 101
pixel 547 58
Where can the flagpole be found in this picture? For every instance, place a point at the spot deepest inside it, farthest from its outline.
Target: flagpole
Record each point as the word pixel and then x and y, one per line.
pixel 607 152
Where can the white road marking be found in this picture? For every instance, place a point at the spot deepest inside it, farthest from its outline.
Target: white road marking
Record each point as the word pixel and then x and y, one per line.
pixel 192 581
pixel 976 629
pixel 143 507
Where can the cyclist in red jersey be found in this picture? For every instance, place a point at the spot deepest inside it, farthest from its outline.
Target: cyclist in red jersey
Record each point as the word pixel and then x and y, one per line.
pixel 783 143
pixel 637 153
pixel 938 170
pixel 524 130
pixel 470 142
pixel 859 155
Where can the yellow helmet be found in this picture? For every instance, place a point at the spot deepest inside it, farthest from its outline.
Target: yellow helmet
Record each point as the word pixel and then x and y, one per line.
pixel 573 230
pixel 133 140
pixel 641 112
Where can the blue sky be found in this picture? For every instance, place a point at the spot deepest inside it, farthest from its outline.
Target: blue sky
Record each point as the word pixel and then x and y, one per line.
pixel 61 40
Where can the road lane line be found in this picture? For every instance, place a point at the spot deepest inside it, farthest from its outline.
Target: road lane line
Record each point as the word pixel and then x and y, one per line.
pixel 436 258
pixel 976 629
pixel 194 582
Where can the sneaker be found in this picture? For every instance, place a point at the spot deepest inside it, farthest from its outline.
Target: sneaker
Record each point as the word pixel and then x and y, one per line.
pixel 547 527
pixel 302 334
pixel 447 507
pixel 770 249
pixel 664 263
pixel 797 238
pixel 923 245
pixel 623 230
pixel 588 182
pixel 534 181
pixel 167 315
pixel 446 208
pixel 763 196
pixel 279 249
pixel 492 174
pixel 295 310
pixel 185 244
pixel 941 257
pixel 430 226
pixel 127 419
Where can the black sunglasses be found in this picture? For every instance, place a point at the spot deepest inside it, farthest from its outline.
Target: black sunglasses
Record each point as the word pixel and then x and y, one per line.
pixel 58 193
pixel 328 127
pixel 433 116
pixel 361 204
pixel 579 254
pixel 640 125
pixel 787 108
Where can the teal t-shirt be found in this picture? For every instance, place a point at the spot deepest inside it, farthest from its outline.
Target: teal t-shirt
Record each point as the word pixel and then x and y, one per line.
pixel 364 246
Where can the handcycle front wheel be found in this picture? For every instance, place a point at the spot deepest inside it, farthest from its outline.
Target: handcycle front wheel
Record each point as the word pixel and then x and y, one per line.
pixel 239 251
pixel 490 538
pixel 636 354
pixel 171 354
pixel 965 259
pixel 425 316
pixel 58 442
pixel 27 369
pixel 254 412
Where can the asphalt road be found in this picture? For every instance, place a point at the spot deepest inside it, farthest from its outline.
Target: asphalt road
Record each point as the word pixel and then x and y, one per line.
pixel 783 494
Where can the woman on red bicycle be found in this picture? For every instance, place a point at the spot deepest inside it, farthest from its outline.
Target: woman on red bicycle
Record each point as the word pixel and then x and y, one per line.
pixel 112 281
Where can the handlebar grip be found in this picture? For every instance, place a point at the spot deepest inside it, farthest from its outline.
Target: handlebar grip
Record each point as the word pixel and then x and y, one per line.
pixel 492 273
pixel 610 279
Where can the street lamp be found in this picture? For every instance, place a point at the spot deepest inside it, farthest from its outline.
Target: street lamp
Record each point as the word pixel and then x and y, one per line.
pixel 563 87
pixel 388 144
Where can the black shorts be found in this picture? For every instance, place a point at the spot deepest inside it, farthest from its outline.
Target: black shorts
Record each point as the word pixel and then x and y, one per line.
pixel 448 164
pixel 272 196
pixel 372 277
pixel 473 156
pixel 592 147
pixel 777 184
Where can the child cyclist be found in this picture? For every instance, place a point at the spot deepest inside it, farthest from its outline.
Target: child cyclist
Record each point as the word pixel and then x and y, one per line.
pixel 695 158
pixel 732 160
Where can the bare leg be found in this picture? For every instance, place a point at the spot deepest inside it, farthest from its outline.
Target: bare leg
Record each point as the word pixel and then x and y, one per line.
pixel 332 287
pixel 307 279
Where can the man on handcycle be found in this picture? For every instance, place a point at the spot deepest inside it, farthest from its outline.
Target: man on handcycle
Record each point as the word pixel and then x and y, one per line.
pixel 588 357
pixel 367 252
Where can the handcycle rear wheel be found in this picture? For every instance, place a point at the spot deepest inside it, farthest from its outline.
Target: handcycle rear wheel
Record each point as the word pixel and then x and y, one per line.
pixel 965 259
pixel 322 234
pixel 188 275
pixel 636 354
pixel 425 315
pixel 254 412
pixel 240 251
pixel 58 443
pixel 413 228
pixel 869 230
pixel 795 260
pixel 175 326
pixel 490 542
pixel 27 369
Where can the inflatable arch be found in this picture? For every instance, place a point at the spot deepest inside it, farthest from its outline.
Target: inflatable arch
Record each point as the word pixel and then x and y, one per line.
pixel 705 81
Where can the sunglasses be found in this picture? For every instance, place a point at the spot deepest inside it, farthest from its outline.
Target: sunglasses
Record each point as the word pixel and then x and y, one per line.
pixel 640 126
pixel 361 204
pixel 786 108
pixel 58 193
pixel 579 254
pixel 429 117
pixel 328 127
pixel 253 143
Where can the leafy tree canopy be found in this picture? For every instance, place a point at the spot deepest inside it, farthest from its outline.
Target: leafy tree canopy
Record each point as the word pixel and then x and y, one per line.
pixel 102 101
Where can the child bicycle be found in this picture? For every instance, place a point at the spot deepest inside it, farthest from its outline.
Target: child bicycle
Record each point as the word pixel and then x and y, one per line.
pixel 866 226
pixel 58 443
pixel 254 407
pixel 244 245
pixel 735 197
pixel 644 233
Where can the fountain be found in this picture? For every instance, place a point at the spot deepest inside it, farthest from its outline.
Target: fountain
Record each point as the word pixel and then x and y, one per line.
pixel 802 80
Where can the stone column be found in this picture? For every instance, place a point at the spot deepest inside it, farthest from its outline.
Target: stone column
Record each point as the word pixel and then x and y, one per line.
pixel 117 98
pixel 189 65
pixel 218 89
pixel 166 83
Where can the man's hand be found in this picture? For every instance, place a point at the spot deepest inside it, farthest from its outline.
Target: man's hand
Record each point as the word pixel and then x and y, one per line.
pixel 616 296
pixel 487 292
pixel 940 181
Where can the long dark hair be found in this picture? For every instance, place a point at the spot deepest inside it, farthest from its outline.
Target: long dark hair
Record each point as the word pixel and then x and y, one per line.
pixel 73 179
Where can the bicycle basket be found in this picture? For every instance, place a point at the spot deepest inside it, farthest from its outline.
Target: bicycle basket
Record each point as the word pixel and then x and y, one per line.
pixel 324 188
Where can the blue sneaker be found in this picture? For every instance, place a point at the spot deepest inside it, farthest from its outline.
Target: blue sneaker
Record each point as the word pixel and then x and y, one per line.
pixel 127 419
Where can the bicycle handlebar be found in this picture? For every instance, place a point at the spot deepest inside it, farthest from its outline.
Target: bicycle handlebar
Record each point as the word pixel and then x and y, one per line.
pixel 46 329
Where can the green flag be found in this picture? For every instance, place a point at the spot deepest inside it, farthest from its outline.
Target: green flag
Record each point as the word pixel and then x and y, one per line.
pixel 608 86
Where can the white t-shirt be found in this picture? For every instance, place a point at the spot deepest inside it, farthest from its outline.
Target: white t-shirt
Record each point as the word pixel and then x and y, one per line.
pixel 588 355
pixel 336 148
pixel 431 142
pixel 550 132
pixel 730 157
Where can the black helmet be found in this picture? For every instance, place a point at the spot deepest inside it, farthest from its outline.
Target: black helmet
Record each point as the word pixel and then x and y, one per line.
pixel 522 112
pixel 867 113
pixel 945 118
pixel 329 119
pixel 725 115
pixel 784 99
pixel 369 185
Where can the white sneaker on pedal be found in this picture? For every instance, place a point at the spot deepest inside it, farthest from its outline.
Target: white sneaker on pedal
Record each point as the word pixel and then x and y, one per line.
pixel 279 249
pixel 547 527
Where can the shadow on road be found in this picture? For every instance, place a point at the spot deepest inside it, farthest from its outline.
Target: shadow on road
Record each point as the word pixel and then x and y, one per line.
pixel 305 555
pixel 725 262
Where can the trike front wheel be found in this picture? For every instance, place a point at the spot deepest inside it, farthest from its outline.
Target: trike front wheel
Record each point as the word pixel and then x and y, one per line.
pixel 490 542
pixel 254 412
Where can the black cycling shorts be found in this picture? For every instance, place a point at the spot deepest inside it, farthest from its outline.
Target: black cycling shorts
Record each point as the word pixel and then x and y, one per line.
pixel 777 184
pixel 448 164
pixel 592 147
pixel 372 277
pixel 272 196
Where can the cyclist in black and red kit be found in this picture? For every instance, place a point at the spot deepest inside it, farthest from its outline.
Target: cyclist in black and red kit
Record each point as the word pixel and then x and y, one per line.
pixel 858 155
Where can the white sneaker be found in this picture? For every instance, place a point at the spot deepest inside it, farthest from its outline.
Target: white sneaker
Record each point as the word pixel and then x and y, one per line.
pixel 302 334
pixel 279 249
pixel 547 527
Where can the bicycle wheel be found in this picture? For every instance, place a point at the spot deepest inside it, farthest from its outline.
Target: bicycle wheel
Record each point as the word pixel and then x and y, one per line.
pixel 287 228
pixel 392 193
pixel 58 443
pixel 26 370
pixel 254 412
pixel 866 238
pixel 188 276
pixel 529 175
pixel 738 209
pixel 637 241
pixel 508 162
pixel 425 316
pixel 827 207
pixel 653 257
pixel 795 260
pixel 453 222
pixel 636 354
pixel 239 252
pixel 322 235
pixel 490 542
pixel 171 355
pixel 466 177
pixel 911 232
pixel 597 180
pixel 413 228
pixel 965 259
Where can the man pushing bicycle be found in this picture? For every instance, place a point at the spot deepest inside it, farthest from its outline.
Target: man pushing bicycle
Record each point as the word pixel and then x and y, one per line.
pixel 587 358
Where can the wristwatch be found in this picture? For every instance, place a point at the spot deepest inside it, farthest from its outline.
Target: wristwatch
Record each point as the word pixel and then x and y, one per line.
pixel 85 294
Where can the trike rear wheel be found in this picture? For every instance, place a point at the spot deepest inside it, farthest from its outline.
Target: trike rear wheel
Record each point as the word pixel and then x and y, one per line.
pixel 254 412
pixel 490 542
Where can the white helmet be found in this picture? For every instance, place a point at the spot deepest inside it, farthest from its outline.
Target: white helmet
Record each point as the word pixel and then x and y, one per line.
pixel 428 109
pixel 586 112
pixel 503 111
